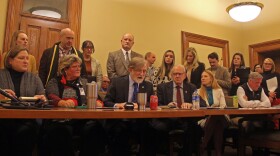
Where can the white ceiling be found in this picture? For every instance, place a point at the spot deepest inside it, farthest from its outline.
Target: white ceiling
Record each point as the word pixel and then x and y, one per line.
pixel 213 11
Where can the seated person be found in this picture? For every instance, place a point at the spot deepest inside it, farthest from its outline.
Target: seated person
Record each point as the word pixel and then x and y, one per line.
pixel 18 137
pixel 69 90
pixel 104 87
pixel 212 95
pixel 124 89
pixel 177 93
pixel 251 95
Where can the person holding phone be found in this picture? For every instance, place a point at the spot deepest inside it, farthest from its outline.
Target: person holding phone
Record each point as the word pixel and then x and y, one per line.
pixel 236 63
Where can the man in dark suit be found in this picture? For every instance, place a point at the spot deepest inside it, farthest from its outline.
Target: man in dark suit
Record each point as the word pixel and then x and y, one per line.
pixel 122 90
pixel 117 63
pixel 167 92
pixel 51 56
pixel 176 93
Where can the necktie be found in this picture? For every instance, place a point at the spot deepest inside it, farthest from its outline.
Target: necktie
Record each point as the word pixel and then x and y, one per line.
pixel 135 91
pixel 178 96
pixel 127 58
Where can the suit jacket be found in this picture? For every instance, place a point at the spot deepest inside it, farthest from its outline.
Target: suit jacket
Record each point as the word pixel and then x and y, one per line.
pixel 116 64
pixel 223 78
pixel 165 92
pixel 49 63
pixel 119 89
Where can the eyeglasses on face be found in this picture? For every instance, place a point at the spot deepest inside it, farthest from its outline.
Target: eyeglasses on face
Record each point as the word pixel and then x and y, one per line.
pixel 267 63
pixel 179 74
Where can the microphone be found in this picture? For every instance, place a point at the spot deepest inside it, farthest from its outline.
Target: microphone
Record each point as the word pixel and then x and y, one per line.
pixel 4 93
pixel 14 100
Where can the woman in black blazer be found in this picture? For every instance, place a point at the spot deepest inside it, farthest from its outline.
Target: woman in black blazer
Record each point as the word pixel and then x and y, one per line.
pixel 236 62
pixel 194 68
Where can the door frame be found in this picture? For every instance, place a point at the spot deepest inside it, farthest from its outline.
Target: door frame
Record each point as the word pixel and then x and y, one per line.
pixel 258 48
pixel 188 38
pixel 15 11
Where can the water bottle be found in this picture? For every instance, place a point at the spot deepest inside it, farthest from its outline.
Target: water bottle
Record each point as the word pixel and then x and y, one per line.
pixel 195 100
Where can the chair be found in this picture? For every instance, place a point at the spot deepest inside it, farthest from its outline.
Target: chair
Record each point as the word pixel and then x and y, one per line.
pixel 232 131
pixel 175 140
pixel 268 137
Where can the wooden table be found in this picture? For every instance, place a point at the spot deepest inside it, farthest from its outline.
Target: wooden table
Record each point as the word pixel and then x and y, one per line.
pixel 242 111
pixel 63 113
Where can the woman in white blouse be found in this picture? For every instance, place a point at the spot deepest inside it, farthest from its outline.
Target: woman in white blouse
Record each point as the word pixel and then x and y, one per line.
pixel 211 95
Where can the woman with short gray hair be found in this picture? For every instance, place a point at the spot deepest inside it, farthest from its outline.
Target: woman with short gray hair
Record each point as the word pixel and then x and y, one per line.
pixel 68 89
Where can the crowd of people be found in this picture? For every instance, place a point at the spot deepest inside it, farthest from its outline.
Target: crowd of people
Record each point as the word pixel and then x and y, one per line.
pixel 64 71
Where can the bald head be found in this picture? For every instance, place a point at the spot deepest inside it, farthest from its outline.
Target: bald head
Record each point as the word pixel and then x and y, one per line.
pixel 127 41
pixel 178 74
pixel 66 38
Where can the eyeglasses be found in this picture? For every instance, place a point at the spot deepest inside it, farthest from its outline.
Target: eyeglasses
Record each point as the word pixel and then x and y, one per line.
pixel 106 81
pixel 179 74
pixel 267 63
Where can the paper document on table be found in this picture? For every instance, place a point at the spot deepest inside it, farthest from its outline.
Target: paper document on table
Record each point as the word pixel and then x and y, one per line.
pixel 272 84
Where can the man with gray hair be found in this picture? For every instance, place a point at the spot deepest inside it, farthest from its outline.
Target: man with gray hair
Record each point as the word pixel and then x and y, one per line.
pixel 117 63
pixel 176 93
pixel 251 94
pixel 122 90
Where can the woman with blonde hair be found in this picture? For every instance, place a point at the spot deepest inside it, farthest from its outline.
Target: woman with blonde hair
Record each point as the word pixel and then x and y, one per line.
pixel 194 68
pixel 211 95
pixel 162 74
pixel 269 73
pixel 20 38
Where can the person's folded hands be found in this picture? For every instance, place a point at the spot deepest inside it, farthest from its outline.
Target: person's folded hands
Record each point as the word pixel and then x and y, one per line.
pixel 66 103
pixel 186 105
pixel 172 105
pixel 70 103
pixel 135 105
pixel 120 105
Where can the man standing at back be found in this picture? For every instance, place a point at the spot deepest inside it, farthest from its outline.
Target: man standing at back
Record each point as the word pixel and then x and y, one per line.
pixel 51 56
pixel 150 58
pixel 221 73
pixel 117 63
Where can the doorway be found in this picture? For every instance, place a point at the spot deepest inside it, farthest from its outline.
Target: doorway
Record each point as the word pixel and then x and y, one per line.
pixel 260 51
pixel 42 31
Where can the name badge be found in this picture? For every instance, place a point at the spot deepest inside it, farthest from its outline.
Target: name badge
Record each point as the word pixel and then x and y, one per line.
pixel 82 91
